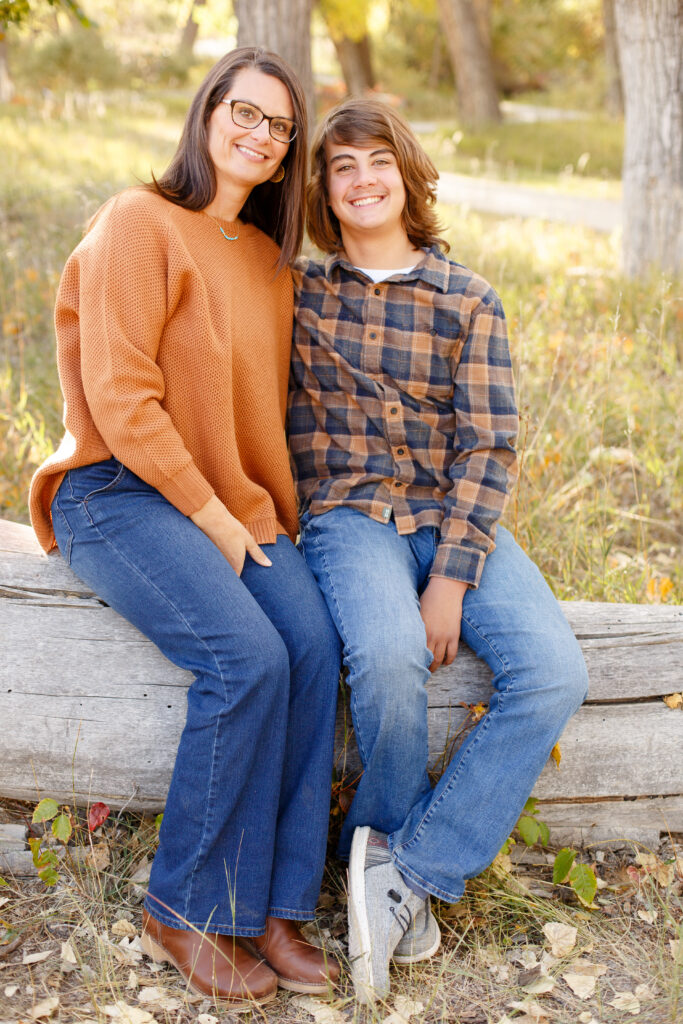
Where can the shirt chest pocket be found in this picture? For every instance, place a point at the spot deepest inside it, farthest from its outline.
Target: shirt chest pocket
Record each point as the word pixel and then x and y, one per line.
pixel 421 360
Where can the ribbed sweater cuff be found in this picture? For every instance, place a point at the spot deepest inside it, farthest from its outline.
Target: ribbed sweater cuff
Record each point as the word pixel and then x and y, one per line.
pixel 188 490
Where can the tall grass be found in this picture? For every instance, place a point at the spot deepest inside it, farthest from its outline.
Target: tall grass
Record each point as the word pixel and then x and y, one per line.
pixel 598 370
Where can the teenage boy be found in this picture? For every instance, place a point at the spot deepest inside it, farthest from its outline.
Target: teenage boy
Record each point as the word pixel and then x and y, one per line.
pixel 402 428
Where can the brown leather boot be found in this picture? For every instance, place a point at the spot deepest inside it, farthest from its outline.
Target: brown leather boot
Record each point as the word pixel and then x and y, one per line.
pixel 213 965
pixel 299 965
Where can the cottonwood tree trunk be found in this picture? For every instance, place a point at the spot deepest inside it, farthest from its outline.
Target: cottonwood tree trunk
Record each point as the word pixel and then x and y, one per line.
pixel 614 98
pixel 468 40
pixel 651 47
pixel 285 27
pixel 190 29
pixel 355 60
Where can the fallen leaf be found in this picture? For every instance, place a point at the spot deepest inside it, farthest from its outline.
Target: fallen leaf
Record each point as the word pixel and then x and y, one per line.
pixel 674 700
pixel 561 937
pixel 125 1014
pixel 652 865
pixel 321 1013
pixel 556 755
pixel 536 982
pixel 676 947
pixel 45 1008
pixel 644 992
pixel 588 969
pixel 97 815
pixel 132 980
pixel 648 916
pixel 141 871
pixel 407 1007
pixel 534 1011
pixel 582 985
pixel 98 857
pixel 123 928
pixel 67 954
pixel 159 998
pixel 11 990
pixel 36 958
pixel 625 1001
pixel 206 1018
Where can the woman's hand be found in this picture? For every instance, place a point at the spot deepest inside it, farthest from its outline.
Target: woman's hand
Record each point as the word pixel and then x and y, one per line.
pixel 228 534
pixel 441 610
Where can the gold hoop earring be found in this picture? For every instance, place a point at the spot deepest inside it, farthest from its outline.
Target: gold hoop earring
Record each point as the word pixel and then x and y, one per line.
pixel 279 175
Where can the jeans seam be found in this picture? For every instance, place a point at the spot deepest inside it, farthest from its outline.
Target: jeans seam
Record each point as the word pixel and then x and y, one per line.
pixel 66 555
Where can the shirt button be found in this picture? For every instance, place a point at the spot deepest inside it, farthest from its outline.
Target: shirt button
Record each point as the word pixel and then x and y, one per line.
pixel 400 451
pixel 397 483
pixel 393 410
pixel 378 291
pixel 386 514
pixel 373 334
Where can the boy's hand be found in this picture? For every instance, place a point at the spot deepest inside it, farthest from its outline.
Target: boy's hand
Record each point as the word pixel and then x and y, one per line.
pixel 441 610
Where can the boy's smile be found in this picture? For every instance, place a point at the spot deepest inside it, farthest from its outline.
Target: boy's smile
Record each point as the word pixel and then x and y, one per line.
pixel 364 187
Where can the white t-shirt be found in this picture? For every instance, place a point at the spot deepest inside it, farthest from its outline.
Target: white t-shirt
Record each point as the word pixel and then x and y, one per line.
pixel 382 275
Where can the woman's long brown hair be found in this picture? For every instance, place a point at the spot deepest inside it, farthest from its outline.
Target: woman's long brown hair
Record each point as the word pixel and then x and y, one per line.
pixel 190 178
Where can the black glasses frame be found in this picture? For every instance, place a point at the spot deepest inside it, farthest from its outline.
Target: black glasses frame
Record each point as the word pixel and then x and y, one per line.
pixel 264 117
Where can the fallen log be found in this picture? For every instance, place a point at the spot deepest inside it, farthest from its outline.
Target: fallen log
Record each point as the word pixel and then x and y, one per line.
pixel 91 710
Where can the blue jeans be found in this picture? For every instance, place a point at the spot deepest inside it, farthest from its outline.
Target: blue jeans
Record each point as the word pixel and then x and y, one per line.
pixel 371 578
pixel 245 826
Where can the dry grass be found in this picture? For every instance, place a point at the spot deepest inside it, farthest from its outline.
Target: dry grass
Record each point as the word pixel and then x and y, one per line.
pixel 492 941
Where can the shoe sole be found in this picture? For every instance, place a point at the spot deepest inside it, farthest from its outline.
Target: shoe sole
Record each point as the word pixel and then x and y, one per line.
pixel 361 968
pixel 159 955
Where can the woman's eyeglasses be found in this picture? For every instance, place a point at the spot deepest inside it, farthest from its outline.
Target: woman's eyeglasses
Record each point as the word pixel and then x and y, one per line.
pixel 248 115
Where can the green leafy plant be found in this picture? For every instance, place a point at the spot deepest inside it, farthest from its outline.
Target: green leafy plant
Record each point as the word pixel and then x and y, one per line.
pixel 46 860
pixel 580 877
pixel 530 828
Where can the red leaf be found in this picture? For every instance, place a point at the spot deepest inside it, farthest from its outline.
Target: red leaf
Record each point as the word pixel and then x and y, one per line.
pixel 97 814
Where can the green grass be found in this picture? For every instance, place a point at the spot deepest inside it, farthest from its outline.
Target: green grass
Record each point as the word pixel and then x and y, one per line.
pixel 583 155
pixel 598 371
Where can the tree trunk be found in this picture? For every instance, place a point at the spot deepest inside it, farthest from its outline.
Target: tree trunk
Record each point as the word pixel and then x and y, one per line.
pixel 614 97
pixel 189 34
pixel 285 27
pixel 6 86
pixel 651 47
pixel 470 56
pixel 355 60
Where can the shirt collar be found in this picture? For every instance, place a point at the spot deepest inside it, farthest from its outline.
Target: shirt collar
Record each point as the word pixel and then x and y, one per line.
pixel 433 268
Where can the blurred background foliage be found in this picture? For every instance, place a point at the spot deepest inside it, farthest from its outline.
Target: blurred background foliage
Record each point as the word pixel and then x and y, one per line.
pixel 97 102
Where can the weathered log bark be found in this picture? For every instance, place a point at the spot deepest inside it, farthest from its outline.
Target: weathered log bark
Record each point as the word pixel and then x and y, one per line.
pixel 91 710
pixel 285 27
pixel 469 49
pixel 651 50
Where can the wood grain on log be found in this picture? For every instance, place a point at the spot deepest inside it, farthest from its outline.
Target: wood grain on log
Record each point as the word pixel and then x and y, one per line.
pixel 91 710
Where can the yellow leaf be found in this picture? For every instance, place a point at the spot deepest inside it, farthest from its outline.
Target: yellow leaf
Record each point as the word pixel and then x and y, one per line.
pixel 665 587
pixel 556 755
pixel 674 700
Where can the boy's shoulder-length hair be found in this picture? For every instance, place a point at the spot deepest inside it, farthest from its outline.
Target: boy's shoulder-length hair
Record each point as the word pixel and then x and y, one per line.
pixel 360 122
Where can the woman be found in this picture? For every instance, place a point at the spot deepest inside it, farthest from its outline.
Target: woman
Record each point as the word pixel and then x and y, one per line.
pixel 171 496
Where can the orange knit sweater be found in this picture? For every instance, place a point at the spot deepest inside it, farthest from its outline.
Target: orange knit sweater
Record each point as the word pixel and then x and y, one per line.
pixel 173 349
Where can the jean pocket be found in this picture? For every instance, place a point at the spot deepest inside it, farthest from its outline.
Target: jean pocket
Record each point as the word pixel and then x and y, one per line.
pixel 87 481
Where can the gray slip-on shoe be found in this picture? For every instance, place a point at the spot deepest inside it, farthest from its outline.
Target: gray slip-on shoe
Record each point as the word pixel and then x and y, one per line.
pixel 422 940
pixel 381 910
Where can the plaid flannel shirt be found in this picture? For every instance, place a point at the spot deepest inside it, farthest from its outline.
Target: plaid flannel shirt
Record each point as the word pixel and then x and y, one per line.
pixel 402 402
